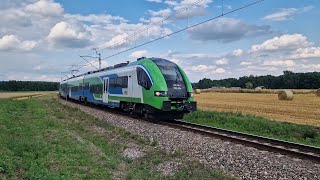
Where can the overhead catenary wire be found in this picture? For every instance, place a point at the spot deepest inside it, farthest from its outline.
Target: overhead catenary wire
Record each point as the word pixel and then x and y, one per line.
pixel 151 25
pixel 83 57
pixel 146 28
pixel 186 28
pixel 182 9
pixel 165 36
pixel 137 33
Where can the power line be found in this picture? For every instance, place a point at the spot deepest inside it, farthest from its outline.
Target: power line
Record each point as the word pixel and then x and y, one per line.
pixel 186 28
pixel 99 57
pixel 84 58
pixel 138 32
pixel 162 37
pixel 153 24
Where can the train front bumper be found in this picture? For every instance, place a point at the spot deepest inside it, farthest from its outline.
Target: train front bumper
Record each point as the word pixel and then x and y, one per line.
pixel 179 106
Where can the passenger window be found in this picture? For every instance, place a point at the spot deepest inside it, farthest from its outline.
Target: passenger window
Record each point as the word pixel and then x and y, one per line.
pixel 124 82
pixel 86 86
pixel 143 78
pixel 112 83
pixel 119 82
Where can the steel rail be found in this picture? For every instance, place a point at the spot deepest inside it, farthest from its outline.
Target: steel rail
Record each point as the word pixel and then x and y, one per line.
pixel 279 146
pixel 300 151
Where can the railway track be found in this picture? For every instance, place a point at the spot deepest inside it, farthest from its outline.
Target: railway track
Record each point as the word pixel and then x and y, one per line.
pixel 283 147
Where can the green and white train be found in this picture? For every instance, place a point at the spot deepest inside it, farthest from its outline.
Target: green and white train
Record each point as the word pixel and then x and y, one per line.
pixel 151 87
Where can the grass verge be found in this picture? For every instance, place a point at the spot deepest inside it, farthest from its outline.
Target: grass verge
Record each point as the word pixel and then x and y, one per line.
pixel 43 139
pixel 258 126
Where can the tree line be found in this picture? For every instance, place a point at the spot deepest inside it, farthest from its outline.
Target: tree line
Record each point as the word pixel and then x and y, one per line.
pixel 289 80
pixel 28 86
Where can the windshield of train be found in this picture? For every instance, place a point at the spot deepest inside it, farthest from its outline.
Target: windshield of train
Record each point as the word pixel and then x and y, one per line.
pixel 171 73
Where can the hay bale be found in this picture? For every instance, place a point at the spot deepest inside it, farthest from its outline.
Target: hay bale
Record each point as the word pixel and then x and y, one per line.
pixel 285 95
pixel 197 91
pixel 318 92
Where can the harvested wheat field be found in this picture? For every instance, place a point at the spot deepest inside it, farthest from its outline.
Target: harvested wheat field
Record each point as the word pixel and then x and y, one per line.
pixel 303 109
pixel 5 95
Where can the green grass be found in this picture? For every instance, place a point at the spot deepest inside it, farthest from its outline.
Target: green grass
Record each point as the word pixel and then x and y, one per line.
pixel 42 139
pixel 257 125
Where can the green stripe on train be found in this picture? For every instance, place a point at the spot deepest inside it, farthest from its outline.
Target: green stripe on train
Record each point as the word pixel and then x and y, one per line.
pixel 127 99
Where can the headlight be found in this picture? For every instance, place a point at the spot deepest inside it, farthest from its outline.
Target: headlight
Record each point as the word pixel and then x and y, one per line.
pixel 160 93
pixel 190 94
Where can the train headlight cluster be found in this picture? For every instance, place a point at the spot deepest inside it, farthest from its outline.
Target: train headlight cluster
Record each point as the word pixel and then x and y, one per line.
pixel 160 93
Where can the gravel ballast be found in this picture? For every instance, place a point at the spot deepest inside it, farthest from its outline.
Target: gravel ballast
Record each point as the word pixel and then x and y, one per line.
pixel 234 159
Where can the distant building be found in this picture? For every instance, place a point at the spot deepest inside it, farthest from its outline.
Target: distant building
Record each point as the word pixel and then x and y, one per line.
pixel 235 87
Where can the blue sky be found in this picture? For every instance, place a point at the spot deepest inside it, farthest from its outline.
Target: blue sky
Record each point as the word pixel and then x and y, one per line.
pixel 43 38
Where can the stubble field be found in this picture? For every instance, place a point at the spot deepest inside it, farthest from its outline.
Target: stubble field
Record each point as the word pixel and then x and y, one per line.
pixel 303 109
pixel 6 95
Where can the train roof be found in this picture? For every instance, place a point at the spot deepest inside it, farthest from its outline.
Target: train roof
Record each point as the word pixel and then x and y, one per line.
pixel 104 69
pixel 159 61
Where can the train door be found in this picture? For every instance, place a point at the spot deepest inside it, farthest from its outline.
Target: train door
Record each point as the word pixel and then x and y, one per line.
pixel 105 95
pixel 69 92
pixel 130 83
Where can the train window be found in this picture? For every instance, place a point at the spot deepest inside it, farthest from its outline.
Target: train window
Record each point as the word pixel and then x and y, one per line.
pixel 96 89
pixel 119 82
pixel 112 83
pixel 171 73
pixel 143 78
pixel 86 86
pixel 122 82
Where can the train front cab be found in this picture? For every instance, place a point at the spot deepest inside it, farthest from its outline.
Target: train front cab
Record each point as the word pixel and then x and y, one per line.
pixel 172 94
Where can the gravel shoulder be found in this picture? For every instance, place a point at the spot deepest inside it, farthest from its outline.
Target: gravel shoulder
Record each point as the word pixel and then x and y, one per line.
pixel 237 160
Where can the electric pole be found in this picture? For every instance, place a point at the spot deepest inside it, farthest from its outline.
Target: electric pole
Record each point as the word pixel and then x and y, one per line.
pixel 99 57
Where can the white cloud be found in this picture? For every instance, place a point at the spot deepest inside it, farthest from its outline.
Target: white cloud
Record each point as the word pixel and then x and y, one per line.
pixel 125 36
pixel 310 67
pixel 191 12
pixel 227 30
pixel 69 35
pixel 238 52
pixel 222 61
pixel 6 4
pixel 286 13
pixel 203 68
pixel 171 3
pixel 220 70
pixel 203 3
pixel 286 41
pixel 286 63
pixel 308 52
pixel 162 13
pixel 12 42
pixel 281 15
pixel 158 16
pixel 190 8
pixel 94 18
pixel 139 54
pixel 186 9
pixel 45 8
pixel 207 69
pixel 118 41
pixel 244 63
